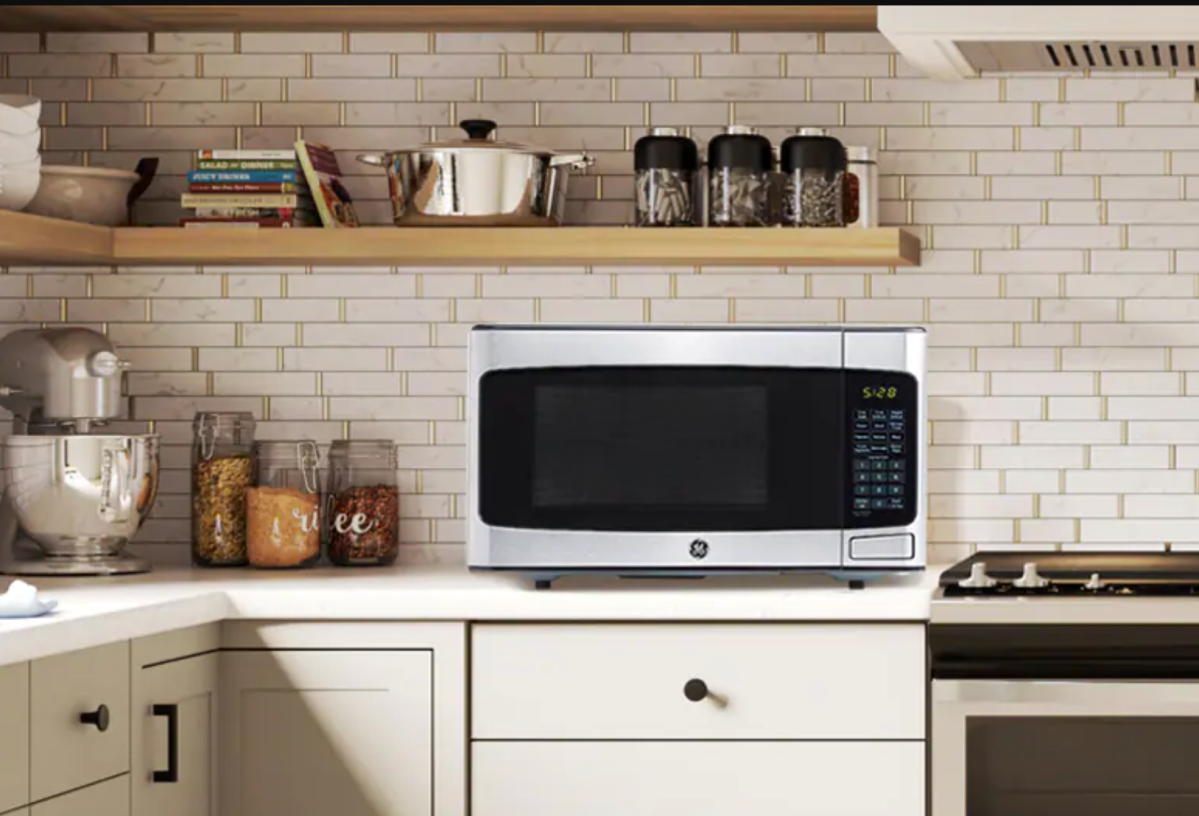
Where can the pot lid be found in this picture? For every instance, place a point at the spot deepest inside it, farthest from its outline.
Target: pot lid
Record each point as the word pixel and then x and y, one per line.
pixel 480 136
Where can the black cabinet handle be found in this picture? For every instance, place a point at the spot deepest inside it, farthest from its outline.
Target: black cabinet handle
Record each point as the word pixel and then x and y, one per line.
pixel 695 690
pixel 98 718
pixel 171 712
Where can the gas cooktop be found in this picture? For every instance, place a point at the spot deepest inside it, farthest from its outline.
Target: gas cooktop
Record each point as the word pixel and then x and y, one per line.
pixel 1046 573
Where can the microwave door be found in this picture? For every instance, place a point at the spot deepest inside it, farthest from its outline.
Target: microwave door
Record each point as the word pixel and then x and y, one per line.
pixel 705 467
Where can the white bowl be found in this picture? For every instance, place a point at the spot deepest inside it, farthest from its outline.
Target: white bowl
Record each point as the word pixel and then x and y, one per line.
pixel 19 114
pixel 92 195
pixel 17 189
pixel 16 151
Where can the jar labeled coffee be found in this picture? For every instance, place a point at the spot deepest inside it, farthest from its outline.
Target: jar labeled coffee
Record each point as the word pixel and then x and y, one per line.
pixel 363 516
pixel 666 164
pixel 813 167
pixel 222 471
pixel 283 519
pixel 861 188
pixel 740 162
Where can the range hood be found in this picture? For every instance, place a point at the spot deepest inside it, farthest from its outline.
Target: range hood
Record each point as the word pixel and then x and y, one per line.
pixel 952 42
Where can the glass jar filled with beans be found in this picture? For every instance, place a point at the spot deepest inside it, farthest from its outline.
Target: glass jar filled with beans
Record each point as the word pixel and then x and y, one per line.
pixel 223 469
pixel 283 508
pixel 363 515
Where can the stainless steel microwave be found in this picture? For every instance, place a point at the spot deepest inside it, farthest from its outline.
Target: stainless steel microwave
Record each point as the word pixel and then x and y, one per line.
pixel 683 450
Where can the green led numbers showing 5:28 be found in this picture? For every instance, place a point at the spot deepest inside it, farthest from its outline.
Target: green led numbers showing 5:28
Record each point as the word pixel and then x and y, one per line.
pixel 879 392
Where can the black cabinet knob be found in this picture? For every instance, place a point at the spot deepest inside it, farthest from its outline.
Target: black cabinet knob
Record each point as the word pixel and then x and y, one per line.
pixel 695 690
pixel 98 718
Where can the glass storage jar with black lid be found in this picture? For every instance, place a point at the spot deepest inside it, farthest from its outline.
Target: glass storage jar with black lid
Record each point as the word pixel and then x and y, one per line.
pixel 363 514
pixel 223 469
pixel 666 164
pixel 740 162
pixel 283 529
pixel 813 165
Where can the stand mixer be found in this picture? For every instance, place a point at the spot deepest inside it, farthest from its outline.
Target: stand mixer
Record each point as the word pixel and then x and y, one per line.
pixel 72 500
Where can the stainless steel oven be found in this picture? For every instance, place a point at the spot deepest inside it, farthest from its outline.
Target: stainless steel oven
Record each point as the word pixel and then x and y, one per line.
pixel 1045 720
pixel 695 450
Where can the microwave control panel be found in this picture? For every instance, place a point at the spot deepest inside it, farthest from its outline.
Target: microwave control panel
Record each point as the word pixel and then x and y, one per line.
pixel 882 437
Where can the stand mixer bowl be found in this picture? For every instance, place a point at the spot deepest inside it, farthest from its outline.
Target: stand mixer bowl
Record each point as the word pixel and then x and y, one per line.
pixel 79 498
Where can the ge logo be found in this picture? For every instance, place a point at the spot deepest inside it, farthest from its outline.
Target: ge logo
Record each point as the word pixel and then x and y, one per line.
pixel 699 549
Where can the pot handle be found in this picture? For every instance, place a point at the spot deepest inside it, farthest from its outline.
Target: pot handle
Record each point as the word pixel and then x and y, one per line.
pixel 576 161
pixel 373 159
pixel 146 168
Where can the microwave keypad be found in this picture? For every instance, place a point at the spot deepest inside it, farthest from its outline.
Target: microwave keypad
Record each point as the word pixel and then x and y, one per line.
pixel 879 459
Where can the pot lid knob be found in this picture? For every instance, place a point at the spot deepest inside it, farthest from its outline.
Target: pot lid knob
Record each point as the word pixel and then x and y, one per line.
pixel 478 129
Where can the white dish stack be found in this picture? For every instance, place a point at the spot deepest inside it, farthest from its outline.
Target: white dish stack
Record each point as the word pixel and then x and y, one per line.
pixel 20 162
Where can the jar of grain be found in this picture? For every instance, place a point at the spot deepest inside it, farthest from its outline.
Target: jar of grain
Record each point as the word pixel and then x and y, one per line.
pixel 283 508
pixel 222 471
pixel 363 518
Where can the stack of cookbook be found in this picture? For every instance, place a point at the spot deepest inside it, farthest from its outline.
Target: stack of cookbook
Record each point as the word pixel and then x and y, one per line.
pixel 248 188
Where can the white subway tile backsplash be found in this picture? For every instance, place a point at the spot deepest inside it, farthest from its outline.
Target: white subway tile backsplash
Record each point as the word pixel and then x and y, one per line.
pixel 1058 278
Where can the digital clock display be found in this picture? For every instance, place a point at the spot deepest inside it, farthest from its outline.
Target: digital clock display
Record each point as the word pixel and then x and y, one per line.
pixel 879 392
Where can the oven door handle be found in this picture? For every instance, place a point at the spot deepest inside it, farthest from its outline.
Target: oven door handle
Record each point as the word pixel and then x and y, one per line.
pixel 1078 697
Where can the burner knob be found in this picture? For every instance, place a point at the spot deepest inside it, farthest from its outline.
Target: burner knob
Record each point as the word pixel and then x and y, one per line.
pixel 1030 579
pixel 978 578
pixel 1095 584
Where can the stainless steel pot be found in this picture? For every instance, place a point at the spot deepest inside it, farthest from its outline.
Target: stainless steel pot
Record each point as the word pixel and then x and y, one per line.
pixel 80 498
pixel 477 181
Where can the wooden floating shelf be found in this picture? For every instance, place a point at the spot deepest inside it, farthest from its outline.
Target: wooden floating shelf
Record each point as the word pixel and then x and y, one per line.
pixel 463 18
pixel 33 240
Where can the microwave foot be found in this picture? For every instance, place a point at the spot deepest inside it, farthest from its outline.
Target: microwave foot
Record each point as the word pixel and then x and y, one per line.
pixel 857 584
pixel 543 584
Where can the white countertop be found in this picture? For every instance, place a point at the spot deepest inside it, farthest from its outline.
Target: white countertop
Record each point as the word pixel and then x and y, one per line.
pixel 93 611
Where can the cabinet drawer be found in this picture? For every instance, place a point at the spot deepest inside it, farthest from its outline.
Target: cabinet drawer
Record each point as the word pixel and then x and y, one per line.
pixel 767 681
pixel 14 736
pixel 66 753
pixel 697 778
pixel 108 798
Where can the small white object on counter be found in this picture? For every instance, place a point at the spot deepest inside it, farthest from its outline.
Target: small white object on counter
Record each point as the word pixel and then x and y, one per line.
pixel 21 601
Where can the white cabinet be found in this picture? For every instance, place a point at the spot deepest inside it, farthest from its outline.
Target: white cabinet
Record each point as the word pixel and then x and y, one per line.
pixel 107 798
pixel 174 729
pixel 14 736
pixel 766 681
pixel 662 719
pixel 697 778
pixel 346 730
pixel 79 719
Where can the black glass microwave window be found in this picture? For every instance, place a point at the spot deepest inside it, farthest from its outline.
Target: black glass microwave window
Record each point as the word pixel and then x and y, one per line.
pixel 663 449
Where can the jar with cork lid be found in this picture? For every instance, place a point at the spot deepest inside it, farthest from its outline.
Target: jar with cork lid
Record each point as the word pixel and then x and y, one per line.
pixel 223 469
pixel 283 508
pixel 363 515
